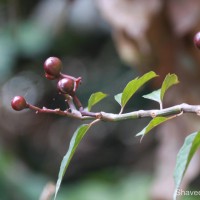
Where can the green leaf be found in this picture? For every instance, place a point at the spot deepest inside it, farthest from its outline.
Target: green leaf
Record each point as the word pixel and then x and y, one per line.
pixel 155 96
pixel 134 85
pixel 95 98
pixel 76 139
pixel 118 98
pixel 158 95
pixel 152 124
pixel 190 146
pixel 170 79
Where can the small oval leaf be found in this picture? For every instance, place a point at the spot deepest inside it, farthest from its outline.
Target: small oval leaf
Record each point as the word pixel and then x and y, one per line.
pixel 155 96
pixel 118 98
pixel 76 139
pixel 152 124
pixel 95 98
pixel 134 85
pixel 187 151
pixel 170 79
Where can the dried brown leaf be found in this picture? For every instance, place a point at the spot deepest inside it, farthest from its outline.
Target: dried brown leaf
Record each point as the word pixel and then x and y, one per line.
pixel 184 15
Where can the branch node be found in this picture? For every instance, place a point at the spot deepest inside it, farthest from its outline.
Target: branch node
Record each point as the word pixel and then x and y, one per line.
pixel 99 116
pixel 153 114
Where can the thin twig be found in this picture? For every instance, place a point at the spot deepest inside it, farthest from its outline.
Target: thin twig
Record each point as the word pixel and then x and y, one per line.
pixel 58 112
pixel 85 115
pixel 174 110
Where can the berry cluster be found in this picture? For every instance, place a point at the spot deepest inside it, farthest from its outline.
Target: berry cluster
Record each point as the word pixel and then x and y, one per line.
pixel 66 84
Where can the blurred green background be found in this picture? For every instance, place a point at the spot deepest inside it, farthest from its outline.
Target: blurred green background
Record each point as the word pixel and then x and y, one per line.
pixel 110 162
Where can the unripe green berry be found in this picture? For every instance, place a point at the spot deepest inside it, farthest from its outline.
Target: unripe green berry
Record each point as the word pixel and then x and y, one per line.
pixel 18 103
pixel 53 66
pixel 197 40
pixel 66 86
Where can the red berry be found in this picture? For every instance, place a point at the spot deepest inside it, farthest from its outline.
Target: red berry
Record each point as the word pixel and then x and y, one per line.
pixel 18 103
pixel 197 40
pixel 52 66
pixel 66 86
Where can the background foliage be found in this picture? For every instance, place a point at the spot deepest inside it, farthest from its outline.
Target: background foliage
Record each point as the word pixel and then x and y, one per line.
pixel 100 48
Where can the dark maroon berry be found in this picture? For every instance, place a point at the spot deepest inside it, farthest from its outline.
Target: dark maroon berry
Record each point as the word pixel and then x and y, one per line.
pixel 197 40
pixel 18 103
pixel 66 86
pixel 52 66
